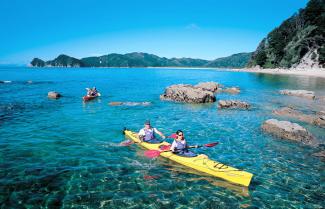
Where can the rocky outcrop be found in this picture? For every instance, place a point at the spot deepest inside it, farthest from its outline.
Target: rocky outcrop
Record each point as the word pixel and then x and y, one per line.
pixel 233 104
pixel 188 94
pixel 318 119
pixel 298 93
pixel 53 95
pixel 290 131
pixel 231 90
pixel 130 103
pixel 208 86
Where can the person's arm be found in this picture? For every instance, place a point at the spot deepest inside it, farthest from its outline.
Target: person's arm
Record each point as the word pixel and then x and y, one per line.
pixel 160 134
pixel 172 148
pixel 141 134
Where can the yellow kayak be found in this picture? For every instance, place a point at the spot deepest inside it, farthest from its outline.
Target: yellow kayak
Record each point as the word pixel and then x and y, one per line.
pixel 200 162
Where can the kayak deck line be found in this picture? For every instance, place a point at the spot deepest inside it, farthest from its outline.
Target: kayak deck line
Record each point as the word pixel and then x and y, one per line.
pixel 200 163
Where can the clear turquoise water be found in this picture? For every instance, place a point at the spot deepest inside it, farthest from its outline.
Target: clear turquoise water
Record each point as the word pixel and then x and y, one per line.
pixel 66 154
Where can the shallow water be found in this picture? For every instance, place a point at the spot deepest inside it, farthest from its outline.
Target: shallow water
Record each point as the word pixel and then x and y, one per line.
pixel 66 153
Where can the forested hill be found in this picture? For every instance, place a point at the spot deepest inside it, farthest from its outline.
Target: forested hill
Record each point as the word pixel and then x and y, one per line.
pixel 297 42
pixel 139 59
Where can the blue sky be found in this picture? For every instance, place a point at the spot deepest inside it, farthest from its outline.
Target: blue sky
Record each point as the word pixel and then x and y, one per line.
pixel 205 29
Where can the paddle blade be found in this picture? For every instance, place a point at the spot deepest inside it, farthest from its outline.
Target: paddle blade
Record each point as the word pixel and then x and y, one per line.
pixel 173 136
pixel 211 144
pixel 151 153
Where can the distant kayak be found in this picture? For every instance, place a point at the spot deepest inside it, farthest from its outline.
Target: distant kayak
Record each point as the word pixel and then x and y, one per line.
pixel 201 163
pixel 88 98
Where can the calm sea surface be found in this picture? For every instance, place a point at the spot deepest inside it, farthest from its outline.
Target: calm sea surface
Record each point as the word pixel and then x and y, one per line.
pixel 66 154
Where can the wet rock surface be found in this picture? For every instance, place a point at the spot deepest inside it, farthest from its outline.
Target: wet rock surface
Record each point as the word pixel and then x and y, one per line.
pixel 298 93
pixel 187 94
pixel 233 104
pixel 290 131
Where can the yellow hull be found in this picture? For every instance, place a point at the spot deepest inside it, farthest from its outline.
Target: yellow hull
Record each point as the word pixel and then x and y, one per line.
pixel 201 163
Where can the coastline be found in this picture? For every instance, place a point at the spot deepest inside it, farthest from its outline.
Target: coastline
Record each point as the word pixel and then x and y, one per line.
pixel 315 72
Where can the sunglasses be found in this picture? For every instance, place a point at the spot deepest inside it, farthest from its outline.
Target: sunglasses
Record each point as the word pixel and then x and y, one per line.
pixel 180 134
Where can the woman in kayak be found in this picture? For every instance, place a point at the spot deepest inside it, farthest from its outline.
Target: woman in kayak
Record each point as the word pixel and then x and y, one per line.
pixel 147 134
pixel 179 145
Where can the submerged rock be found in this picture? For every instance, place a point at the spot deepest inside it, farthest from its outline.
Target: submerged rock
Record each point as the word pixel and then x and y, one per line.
pixel 188 94
pixel 130 103
pixel 232 90
pixel 53 95
pixel 299 93
pixel 288 130
pixel 208 86
pixel 292 113
pixel 320 154
pixel 233 104
pixel 318 119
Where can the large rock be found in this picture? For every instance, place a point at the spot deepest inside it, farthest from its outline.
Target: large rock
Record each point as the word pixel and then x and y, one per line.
pixel 288 130
pixel 208 86
pixel 188 94
pixel 233 104
pixel 232 90
pixel 299 93
pixel 53 95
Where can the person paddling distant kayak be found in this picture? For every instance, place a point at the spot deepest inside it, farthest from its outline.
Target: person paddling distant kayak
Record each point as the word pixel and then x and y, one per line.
pixel 92 92
pixel 147 134
pixel 179 146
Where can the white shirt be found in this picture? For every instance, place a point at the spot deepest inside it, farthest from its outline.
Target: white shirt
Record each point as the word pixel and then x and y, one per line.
pixel 174 144
pixel 143 133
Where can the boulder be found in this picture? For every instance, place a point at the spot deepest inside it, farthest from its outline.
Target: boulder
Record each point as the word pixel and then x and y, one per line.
pixel 208 86
pixel 53 95
pixel 233 104
pixel 188 94
pixel 288 130
pixel 232 90
pixel 298 93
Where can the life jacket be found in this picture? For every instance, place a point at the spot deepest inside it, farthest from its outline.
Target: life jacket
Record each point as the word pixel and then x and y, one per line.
pixel 180 147
pixel 149 134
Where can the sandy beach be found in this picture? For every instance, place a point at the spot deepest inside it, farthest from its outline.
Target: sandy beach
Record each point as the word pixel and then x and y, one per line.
pixel 316 72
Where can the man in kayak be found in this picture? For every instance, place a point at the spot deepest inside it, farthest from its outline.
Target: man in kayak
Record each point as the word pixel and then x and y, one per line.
pixel 147 134
pixel 179 145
